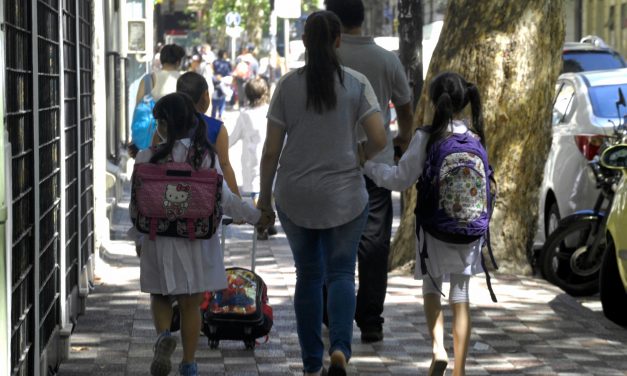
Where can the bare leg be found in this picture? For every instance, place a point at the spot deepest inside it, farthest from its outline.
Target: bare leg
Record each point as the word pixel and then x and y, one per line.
pixel 435 323
pixel 461 336
pixel 161 312
pixel 190 324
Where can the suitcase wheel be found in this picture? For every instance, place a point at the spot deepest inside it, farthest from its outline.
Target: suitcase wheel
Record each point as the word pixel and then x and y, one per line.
pixel 250 344
pixel 213 344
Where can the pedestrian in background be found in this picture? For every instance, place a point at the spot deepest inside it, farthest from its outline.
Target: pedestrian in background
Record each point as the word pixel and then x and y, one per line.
pixel 222 81
pixel 320 112
pixel 388 79
pixel 250 129
pixel 449 94
pixel 246 68
pixel 156 85
pixel 180 267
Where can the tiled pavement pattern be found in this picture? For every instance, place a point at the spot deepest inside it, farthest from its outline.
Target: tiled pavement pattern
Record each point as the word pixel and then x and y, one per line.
pixel 535 329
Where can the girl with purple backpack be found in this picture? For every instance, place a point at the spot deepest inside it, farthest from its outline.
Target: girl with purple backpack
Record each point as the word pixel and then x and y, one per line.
pixel 448 162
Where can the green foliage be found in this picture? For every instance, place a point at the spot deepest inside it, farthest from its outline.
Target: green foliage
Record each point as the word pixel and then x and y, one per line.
pixel 255 16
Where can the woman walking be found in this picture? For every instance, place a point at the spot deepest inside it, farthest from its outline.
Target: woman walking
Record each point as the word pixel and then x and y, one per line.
pixel 324 109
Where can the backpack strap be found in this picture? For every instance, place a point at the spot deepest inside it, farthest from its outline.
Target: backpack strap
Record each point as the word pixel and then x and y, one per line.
pixel 153 228
pixel 191 229
pixel 485 269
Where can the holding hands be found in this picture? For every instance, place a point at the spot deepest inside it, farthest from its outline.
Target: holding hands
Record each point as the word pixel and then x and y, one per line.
pixel 267 218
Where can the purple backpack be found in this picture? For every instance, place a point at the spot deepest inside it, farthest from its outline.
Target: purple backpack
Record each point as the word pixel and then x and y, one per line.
pixel 456 194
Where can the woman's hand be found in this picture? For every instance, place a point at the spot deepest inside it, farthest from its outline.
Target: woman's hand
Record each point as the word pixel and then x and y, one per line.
pixel 266 220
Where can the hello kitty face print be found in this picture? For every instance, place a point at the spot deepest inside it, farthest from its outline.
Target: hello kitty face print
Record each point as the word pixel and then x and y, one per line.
pixel 176 200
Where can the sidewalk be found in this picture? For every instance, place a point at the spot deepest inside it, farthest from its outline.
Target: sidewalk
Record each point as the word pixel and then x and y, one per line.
pixel 535 329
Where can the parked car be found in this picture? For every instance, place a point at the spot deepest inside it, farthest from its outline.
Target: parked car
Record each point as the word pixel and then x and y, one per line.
pixel 613 276
pixel 591 53
pixel 584 105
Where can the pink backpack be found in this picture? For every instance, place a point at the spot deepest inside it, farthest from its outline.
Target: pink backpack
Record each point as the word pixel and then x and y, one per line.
pixel 173 199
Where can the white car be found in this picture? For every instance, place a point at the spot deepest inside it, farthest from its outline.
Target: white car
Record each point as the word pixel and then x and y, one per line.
pixel 583 112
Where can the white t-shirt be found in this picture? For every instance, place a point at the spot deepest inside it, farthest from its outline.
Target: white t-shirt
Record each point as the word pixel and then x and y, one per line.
pixel 165 83
pixel 250 128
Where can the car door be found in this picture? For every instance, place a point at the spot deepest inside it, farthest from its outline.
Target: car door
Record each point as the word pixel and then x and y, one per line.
pixel 568 165
pixel 559 164
pixel 562 105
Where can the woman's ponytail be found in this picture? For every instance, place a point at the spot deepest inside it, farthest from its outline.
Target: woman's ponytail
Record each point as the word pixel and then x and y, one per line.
pixel 322 64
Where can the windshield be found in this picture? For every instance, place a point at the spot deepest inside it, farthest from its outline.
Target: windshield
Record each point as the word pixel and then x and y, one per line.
pixel 604 98
pixel 587 61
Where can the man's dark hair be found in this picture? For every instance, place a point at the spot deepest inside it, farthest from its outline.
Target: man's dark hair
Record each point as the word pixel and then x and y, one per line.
pixel 171 54
pixel 350 12
pixel 192 84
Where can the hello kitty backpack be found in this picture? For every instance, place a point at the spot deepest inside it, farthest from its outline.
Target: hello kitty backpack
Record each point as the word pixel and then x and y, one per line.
pixel 173 199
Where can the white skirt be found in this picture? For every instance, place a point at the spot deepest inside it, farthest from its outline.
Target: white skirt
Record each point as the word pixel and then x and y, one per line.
pixel 447 258
pixel 178 266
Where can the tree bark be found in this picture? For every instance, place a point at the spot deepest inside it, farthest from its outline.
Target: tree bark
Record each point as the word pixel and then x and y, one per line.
pixel 512 51
pixel 410 43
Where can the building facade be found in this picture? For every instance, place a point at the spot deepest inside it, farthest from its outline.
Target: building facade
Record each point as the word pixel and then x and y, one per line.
pixel 53 158
pixel 608 20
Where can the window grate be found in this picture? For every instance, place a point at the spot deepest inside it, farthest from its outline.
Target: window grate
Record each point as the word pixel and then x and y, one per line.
pixel 86 242
pixel 48 84
pixel 19 120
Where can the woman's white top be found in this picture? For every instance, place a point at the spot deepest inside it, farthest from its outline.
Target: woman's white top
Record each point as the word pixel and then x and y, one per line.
pixel 174 266
pixel 165 83
pixel 443 258
pixel 250 128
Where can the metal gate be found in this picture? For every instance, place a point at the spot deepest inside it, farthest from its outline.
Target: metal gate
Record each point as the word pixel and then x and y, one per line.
pixel 49 121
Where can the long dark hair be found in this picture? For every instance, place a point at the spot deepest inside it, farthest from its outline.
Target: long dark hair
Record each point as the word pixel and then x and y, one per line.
pixel 450 94
pixel 182 120
pixel 322 28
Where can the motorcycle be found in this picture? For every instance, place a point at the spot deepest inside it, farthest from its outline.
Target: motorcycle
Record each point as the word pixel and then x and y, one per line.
pixel 572 255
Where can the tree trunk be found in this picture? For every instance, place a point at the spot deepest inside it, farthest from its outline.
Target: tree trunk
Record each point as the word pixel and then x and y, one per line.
pixel 512 51
pixel 410 43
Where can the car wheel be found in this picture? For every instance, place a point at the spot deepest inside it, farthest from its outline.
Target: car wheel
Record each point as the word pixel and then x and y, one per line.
pixel 613 295
pixel 552 219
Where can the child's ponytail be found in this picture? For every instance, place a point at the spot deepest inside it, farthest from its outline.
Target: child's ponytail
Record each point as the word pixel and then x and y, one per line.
pixel 441 118
pixel 477 114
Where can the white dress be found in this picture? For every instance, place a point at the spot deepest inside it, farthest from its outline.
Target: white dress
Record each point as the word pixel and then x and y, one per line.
pixel 443 258
pixel 175 266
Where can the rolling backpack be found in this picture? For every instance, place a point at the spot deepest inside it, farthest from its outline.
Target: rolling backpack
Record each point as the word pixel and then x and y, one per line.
pixel 456 194
pixel 241 311
pixel 173 199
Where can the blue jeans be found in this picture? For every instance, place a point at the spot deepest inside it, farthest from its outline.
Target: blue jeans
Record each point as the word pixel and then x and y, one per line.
pixel 324 256
pixel 217 107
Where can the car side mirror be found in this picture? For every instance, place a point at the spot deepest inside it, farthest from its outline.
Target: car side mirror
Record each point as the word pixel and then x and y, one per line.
pixel 615 157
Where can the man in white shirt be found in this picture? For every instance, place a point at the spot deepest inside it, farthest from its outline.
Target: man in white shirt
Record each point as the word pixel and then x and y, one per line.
pixel 389 81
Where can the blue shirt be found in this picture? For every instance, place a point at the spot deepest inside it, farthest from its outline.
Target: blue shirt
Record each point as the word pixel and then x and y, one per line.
pixel 213 128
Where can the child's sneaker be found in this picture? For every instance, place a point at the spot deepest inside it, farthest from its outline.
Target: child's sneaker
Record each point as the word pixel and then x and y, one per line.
pixel 164 347
pixel 188 369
